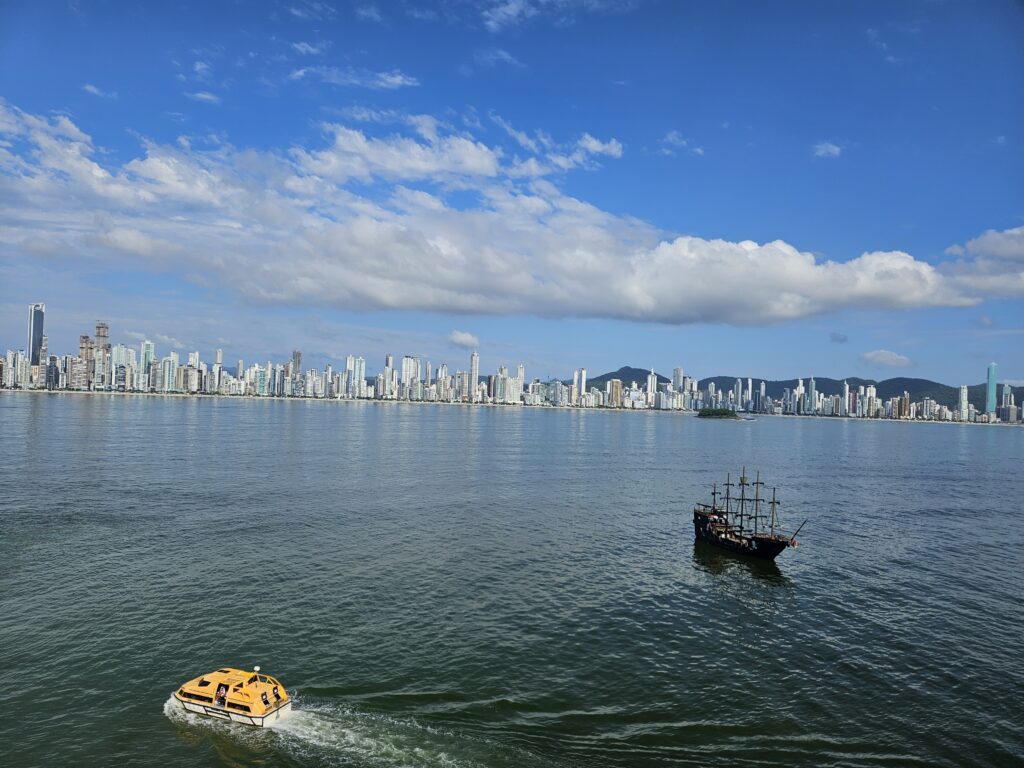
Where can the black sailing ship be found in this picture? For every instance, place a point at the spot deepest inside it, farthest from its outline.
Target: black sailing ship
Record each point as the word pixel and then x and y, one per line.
pixel 739 525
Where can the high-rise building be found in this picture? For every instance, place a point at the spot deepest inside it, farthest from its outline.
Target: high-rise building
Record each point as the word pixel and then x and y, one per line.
pixel 962 405
pixel 36 314
pixel 410 372
pixel 218 357
pixel 677 379
pixel 359 375
pixel 296 362
pixel 474 377
pixel 990 390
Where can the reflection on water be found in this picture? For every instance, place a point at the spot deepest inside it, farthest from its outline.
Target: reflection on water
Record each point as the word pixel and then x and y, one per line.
pixel 720 562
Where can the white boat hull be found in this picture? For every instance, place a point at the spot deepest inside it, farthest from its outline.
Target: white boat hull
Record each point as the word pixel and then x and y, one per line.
pixel 220 713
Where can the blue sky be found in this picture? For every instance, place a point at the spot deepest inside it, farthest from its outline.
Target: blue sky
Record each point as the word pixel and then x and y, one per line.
pixel 831 189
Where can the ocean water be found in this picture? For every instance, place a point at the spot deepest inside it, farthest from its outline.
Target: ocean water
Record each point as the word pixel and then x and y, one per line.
pixel 453 586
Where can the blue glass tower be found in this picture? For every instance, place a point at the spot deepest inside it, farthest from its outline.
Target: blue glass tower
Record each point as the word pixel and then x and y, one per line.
pixel 990 390
pixel 35 332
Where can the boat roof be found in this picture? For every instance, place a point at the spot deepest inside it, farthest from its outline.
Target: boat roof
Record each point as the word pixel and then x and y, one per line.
pixel 247 691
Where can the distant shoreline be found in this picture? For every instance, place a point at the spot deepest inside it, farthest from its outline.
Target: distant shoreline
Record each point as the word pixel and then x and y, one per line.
pixel 740 418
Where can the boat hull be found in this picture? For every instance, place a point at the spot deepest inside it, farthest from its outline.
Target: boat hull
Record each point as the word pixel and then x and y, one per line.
pixel 220 713
pixel 762 547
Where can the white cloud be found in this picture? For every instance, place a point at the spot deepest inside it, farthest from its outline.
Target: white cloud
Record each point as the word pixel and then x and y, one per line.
pixel 369 13
pixel 169 341
pixel 827 149
pixel 522 138
pixel 502 14
pixel 506 13
pixel 675 140
pixel 310 49
pixel 202 70
pixel 992 263
pixel 489 57
pixel 354 155
pixel 95 91
pixel 884 358
pixel 204 96
pixel 452 225
pixel 380 81
pixel 611 148
pixel 312 10
pixel 464 339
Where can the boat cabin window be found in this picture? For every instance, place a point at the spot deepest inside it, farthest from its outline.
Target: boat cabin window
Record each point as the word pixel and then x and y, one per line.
pixel 242 707
pixel 277 694
pixel 263 679
pixel 203 683
pixel 251 680
pixel 266 701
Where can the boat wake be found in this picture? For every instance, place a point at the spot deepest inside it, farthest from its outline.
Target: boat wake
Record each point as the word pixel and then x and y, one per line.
pixel 317 732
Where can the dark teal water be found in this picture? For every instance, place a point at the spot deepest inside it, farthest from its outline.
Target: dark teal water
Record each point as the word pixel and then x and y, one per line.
pixel 448 586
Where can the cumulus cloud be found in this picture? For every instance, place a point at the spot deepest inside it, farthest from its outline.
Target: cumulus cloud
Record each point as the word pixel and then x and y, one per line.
pixel 464 340
pixel 361 78
pixel 883 358
pixel 827 149
pixel 452 225
pixel 95 91
pixel 992 263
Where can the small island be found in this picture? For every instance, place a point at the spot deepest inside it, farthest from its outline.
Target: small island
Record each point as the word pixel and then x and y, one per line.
pixel 716 413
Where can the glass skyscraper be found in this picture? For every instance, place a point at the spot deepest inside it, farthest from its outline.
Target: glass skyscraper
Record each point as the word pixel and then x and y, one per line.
pixel 35 332
pixel 990 390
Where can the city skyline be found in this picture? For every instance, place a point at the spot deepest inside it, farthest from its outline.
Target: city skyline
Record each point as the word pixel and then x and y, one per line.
pixel 101 366
pixel 532 177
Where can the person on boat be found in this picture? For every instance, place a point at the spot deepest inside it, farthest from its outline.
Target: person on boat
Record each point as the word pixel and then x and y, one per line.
pixel 222 694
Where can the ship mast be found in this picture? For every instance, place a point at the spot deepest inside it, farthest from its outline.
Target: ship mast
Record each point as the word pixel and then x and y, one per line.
pixel 743 498
pixel 757 502
pixel 774 503
pixel 728 498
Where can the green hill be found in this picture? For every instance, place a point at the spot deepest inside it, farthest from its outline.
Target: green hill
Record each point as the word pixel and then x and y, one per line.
pixel 626 374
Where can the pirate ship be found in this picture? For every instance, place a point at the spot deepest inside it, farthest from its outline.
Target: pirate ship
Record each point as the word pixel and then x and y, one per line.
pixel 738 524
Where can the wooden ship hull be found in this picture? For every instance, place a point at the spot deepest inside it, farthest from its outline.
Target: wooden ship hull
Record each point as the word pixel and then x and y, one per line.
pixel 736 524
pixel 717 534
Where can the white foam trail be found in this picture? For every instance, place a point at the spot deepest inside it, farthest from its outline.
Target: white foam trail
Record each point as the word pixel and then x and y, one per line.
pixel 372 739
pixel 314 731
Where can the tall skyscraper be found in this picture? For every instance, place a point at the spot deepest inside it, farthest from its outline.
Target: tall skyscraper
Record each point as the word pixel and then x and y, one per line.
pixel 677 379
pixel 990 391
pixel 296 362
pixel 963 405
pixel 359 373
pixel 474 376
pixel 35 332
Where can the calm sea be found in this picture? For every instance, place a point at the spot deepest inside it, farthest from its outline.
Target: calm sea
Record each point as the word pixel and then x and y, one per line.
pixel 452 586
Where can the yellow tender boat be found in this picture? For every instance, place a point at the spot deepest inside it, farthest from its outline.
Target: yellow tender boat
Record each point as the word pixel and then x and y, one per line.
pixel 236 695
